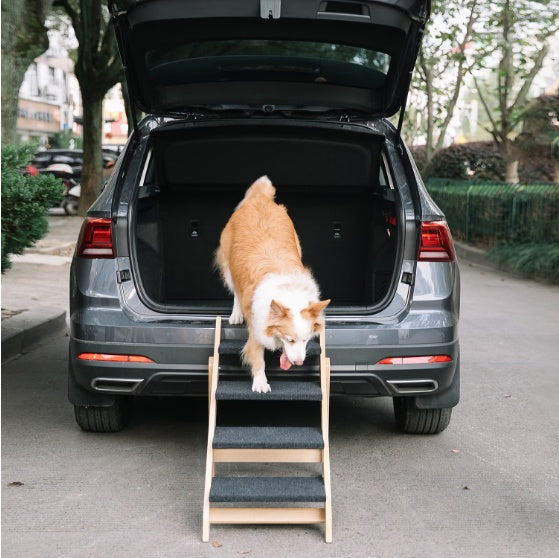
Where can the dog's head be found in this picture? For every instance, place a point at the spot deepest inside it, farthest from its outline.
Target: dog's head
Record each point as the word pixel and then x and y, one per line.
pixel 293 328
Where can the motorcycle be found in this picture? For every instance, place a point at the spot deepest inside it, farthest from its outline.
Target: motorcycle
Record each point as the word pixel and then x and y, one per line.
pixel 72 188
pixel 71 200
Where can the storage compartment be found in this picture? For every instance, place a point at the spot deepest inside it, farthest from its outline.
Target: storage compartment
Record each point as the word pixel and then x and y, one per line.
pixel 330 179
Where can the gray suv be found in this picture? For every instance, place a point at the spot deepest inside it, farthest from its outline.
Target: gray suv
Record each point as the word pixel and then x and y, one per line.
pixel 299 90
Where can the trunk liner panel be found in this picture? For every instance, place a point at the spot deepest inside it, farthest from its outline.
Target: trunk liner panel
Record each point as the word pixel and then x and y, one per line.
pixel 327 177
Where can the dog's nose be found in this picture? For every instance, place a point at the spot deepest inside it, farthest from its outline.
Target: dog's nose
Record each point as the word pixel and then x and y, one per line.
pixel 298 362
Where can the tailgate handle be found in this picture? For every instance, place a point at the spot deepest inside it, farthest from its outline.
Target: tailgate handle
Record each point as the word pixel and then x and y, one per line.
pixel 270 9
pixel 344 11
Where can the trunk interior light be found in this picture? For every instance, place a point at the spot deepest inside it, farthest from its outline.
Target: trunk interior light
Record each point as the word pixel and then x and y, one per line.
pixel 415 359
pixel 436 242
pixel 96 239
pixel 103 357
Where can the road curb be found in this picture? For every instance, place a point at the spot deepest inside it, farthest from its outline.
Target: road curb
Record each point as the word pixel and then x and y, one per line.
pixel 473 255
pixel 22 331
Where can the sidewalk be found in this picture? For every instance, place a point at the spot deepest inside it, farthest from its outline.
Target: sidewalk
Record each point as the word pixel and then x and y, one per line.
pixel 35 290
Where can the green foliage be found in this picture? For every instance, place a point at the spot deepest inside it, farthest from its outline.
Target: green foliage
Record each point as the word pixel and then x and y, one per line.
pixel 538 261
pixel 540 125
pixel 25 202
pixel 488 213
pixel 443 61
pixel 518 223
pixel 512 43
pixel 66 140
pixel 481 161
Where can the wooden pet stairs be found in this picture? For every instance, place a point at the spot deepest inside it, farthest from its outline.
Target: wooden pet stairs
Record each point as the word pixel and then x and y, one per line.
pixel 267 444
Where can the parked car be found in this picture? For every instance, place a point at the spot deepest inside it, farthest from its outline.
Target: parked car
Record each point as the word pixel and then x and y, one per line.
pixel 303 94
pixel 73 157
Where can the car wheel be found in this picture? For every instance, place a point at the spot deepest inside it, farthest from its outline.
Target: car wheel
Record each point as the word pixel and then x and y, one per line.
pixel 412 420
pixel 113 418
pixel 70 205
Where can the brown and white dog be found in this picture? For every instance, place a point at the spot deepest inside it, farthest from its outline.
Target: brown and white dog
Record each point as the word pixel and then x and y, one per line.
pixel 259 258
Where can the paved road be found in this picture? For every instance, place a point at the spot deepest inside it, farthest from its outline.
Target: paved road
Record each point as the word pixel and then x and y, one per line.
pixel 486 487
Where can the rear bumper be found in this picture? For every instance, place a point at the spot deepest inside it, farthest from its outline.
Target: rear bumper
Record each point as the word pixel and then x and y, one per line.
pixel 183 370
pixel 180 348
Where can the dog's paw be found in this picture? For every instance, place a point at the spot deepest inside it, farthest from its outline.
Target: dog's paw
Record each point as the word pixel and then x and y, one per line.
pixel 260 384
pixel 236 318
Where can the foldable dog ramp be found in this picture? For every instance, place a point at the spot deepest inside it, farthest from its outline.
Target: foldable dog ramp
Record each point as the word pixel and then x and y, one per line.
pixel 254 499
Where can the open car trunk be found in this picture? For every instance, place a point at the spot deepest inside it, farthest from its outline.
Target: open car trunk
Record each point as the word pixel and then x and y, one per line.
pixel 330 178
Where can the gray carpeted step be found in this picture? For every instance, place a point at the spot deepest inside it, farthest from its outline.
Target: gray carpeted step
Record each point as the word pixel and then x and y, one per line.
pixel 267 437
pixel 267 489
pixel 281 391
pixel 235 346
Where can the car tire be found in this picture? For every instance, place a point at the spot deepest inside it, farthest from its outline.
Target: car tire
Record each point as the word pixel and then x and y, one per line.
pixel 113 418
pixel 412 420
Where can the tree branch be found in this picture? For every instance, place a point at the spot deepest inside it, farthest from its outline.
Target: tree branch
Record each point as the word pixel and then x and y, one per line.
pixel 528 80
pixel 485 106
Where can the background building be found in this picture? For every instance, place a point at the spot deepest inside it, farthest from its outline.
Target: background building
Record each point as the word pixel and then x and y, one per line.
pixel 49 100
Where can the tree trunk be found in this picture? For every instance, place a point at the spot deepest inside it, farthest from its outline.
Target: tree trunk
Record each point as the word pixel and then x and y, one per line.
pixel 131 111
pixel 556 172
pixel 510 154
pixel 24 37
pixel 92 171
pixel 511 171
pixel 430 151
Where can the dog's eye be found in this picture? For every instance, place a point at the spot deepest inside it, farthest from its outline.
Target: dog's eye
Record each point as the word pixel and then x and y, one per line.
pixel 290 340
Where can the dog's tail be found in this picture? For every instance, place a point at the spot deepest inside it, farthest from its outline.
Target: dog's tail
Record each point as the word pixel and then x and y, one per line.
pixel 263 186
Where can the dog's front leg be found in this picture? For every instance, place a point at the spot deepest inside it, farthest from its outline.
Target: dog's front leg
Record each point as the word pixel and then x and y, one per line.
pixel 237 314
pixel 253 355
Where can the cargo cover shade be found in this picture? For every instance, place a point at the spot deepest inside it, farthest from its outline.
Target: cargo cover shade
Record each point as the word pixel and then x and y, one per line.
pixel 312 55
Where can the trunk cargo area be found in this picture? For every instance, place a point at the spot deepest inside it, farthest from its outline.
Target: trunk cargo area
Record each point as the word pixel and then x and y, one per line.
pixel 330 179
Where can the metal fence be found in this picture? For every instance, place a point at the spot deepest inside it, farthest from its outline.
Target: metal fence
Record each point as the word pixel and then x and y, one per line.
pixel 495 213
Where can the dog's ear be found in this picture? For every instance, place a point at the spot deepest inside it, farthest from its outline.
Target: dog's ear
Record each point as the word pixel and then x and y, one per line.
pixel 313 310
pixel 278 310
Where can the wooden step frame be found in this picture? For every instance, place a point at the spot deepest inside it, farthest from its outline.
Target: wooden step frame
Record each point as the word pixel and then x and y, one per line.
pixel 271 515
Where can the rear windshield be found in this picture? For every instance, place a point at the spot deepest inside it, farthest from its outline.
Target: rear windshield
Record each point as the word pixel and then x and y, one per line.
pixel 268 60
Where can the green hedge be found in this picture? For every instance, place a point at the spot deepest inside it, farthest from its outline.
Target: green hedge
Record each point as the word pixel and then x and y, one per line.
pixel 538 261
pixel 519 223
pixel 25 202
pixel 483 160
pixel 495 212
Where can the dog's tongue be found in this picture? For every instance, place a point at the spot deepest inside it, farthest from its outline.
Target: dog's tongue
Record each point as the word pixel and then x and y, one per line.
pixel 285 363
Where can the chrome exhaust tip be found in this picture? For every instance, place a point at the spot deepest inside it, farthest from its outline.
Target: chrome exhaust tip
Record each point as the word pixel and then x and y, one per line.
pixel 412 387
pixel 121 385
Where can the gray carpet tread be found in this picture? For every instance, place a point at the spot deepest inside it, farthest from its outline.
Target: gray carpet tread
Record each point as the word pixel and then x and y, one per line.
pixel 235 346
pixel 267 437
pixel 267 489
pixel 281 391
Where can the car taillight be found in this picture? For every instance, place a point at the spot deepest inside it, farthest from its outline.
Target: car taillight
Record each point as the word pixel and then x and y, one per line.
pixel 96 239
pixel 436 242
pixel 104 357
pixel 415 359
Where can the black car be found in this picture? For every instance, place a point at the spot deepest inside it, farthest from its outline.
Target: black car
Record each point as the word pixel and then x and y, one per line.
pixel 72 157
